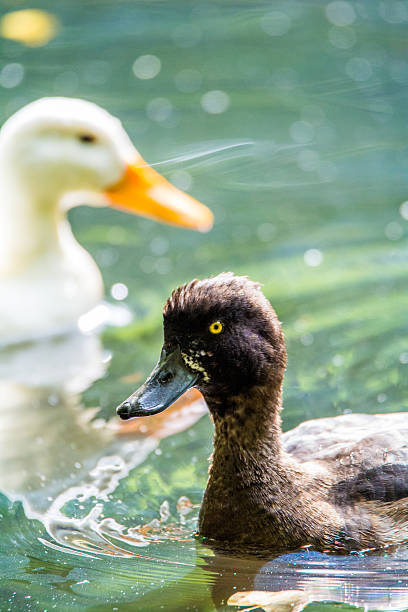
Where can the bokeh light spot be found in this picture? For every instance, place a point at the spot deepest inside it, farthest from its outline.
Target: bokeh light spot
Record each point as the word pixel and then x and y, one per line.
pixel 31 27
pixel 146 67
pixel 276 23
pixel 301 132
pixel 393 231
pixel 359 69
pixel 215 102
pixel 119 291
pixel 308 160
pixel 404 210
pixel 182 179
pixel 11 75
pixel 340 13
pixel 163 265
pixel 338 360
pixel 313 258
pixel 159 246
pixel 393 11
pixel 159 109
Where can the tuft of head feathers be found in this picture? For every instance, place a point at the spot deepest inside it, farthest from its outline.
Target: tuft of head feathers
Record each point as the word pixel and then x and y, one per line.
pixel 225 289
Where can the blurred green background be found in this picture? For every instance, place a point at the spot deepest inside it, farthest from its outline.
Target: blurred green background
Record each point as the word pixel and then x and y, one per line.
pixel 289 120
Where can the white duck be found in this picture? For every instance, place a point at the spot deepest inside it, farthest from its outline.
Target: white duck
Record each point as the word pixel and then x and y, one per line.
pixel 56 153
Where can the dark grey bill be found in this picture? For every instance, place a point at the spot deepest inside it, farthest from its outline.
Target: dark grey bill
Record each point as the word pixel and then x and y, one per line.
pixel 168 381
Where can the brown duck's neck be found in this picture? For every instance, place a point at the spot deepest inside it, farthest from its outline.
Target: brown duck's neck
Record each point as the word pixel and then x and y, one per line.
pixel 249 473
pixel 248 431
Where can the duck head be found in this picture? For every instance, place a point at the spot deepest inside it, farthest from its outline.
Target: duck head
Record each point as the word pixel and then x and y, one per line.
pixel 222 336
pixel 59 146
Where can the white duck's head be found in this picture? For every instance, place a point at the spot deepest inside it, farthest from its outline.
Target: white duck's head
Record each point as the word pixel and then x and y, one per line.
pixel 60 146
pixel 56 153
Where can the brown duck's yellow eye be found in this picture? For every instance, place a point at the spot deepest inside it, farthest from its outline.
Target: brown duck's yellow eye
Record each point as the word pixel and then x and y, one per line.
pixel 216 327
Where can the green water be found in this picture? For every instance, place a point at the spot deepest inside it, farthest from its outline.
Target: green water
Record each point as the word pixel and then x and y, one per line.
pixel 306 165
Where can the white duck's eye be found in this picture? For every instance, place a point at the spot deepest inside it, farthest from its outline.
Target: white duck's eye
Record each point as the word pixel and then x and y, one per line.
pixel 87 138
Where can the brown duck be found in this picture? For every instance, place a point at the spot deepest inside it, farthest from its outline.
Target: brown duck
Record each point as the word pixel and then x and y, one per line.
pixel 337 484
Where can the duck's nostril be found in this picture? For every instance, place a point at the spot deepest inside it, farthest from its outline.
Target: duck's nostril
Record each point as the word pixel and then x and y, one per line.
pixel 166 378
pixel 124 410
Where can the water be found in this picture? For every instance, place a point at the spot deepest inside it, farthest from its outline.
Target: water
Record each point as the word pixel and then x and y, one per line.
pixel 303 158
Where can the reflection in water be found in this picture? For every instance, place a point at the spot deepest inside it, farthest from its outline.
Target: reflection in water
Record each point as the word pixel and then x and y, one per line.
pixel 371 582
pixel 52 451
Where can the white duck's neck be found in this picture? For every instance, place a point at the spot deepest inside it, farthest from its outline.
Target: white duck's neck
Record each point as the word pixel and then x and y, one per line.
pixel 47 280
pixel 32 226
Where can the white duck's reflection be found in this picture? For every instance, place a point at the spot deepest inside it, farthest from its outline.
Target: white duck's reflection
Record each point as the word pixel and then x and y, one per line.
pixel 53 451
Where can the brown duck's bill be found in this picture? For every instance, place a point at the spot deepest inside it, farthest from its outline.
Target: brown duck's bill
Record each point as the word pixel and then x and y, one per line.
pixel 145 192
pixel 168 381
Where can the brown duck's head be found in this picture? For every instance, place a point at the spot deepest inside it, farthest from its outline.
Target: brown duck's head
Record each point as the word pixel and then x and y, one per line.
pixel 222 336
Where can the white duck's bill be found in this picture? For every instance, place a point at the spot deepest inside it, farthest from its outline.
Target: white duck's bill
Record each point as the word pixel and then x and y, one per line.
pixel 144 191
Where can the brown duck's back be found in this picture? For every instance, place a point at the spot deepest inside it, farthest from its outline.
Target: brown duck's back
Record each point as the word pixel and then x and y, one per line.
pixel 349 443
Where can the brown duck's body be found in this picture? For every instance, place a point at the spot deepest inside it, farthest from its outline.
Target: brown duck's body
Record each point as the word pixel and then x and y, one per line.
pixel 268 490
pixel 337 484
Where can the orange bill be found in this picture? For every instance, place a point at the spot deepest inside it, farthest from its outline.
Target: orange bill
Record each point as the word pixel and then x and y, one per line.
pixel 145 192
